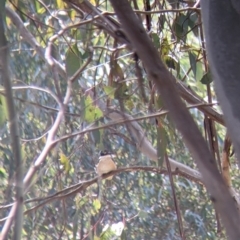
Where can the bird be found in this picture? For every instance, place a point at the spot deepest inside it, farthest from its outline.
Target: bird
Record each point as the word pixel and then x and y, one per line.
pixel 105 164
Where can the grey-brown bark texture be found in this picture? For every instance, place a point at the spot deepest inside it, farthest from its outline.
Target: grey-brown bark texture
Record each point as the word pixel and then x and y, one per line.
pixel 221 23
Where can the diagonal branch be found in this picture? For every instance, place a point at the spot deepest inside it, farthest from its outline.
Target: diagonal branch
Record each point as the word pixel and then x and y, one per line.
pixel 164 82
pixel 144 145
pixel 30 39
pixel 113 27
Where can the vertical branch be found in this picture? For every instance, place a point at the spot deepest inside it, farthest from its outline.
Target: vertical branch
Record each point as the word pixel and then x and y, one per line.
pixel 178 212
pixel 14 133
pixel 211 130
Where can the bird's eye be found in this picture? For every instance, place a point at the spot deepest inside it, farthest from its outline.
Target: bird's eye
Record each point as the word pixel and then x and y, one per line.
pixel 104 152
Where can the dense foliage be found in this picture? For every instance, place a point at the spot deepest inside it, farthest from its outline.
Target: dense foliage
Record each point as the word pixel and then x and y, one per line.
pixel 104 76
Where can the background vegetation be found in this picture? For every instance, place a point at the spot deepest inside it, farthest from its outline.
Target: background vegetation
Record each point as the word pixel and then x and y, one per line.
pixel 71 58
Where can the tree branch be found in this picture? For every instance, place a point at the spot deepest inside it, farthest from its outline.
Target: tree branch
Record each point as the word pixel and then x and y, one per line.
pixel 184 122
pixel 14 132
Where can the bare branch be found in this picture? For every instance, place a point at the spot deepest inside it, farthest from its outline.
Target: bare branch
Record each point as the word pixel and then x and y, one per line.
pixel 29 38
pixel 144 145
pixel 14 132
pixel 79 187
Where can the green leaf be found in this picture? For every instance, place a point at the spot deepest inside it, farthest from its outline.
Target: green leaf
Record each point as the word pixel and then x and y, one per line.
pixel 97 135
pixel 3 110
pixel 156 40
pixel 116 74
pixel 41 10
pixel 65 162
pixel 193 21
pixel 193 62
pixel 73 60
pixel 178 30
pixel 80 201
pixel 60 4
pixel 119 72
pixel 121 91
pixel 129 103
pixel 96 205
pixel 165 47
pixel 109 91
pixel 161 143
pixel 207 78
pixel 199 71
pixel 107 233
pixel 91 112
pixel 171 63
pixel 3 173
pixel 180 26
